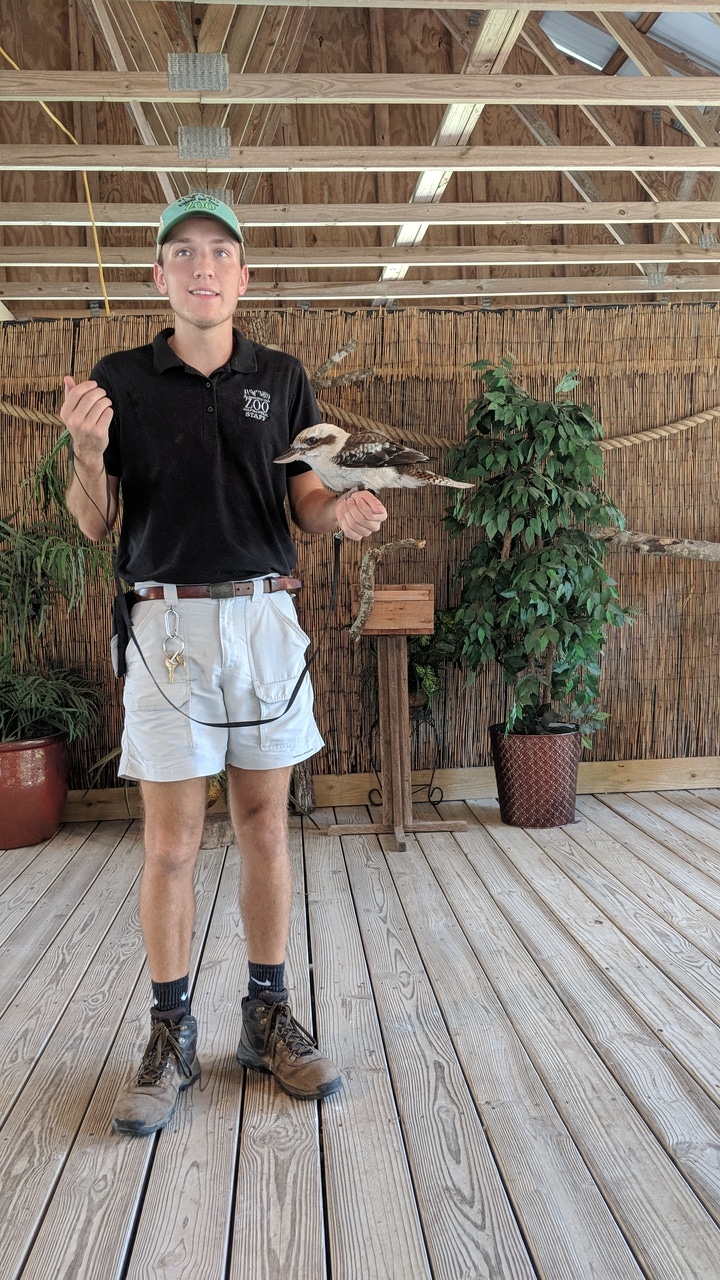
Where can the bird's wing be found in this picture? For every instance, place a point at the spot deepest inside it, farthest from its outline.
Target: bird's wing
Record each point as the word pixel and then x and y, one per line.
pixel 365 449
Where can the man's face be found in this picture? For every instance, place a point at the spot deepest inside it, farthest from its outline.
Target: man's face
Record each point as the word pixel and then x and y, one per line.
pixel 201 274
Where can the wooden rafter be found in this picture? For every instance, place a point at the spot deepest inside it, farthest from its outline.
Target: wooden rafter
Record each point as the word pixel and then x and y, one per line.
pixel 617 59
pixel 539 6
pixel 553 157
pixel 493 44
pixel 336 89
pixel 324 291
pixel 98 17
pixel 649 64
pixel 420 256
pixel 602 119
pixel 535 213
pixel 702 129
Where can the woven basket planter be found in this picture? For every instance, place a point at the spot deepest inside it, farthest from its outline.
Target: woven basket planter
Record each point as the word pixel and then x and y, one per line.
pixel 536 776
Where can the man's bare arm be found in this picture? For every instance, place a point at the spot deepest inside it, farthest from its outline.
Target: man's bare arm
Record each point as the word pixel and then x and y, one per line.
pixel 92 496
pixel 316 510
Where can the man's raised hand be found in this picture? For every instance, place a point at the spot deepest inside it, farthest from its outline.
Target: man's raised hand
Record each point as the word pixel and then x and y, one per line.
pixel 87 413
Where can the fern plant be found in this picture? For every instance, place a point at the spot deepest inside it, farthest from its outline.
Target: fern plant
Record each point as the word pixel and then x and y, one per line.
pixel 536 597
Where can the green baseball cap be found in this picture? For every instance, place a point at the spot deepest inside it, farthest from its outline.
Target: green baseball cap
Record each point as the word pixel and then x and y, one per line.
pixel 198 204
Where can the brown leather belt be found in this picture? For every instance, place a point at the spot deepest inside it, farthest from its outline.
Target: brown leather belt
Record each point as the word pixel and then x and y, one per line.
pixel 218 590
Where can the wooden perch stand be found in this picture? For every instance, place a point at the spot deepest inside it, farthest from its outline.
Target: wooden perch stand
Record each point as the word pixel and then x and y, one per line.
pixel 399 610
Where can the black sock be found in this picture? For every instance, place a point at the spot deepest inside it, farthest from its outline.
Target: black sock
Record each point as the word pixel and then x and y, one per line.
pixel 267 982
pixel 171 1000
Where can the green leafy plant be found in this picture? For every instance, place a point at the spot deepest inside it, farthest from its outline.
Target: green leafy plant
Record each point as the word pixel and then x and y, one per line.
pixel 427 659
pixel 536 597
pixel 429 656
pixel 43 560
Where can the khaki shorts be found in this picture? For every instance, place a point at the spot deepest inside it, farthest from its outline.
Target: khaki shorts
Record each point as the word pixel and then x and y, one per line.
pixel 242 661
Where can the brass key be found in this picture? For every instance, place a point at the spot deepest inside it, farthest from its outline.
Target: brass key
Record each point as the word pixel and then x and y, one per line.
pixel 171 664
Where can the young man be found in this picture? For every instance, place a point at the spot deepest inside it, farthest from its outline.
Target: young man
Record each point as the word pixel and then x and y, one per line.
pixel 189 426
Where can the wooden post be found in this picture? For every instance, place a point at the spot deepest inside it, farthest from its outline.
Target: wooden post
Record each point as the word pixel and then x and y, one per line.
pixel 399 610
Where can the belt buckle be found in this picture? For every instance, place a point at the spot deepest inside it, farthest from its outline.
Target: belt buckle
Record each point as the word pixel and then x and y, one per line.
pixel 222 590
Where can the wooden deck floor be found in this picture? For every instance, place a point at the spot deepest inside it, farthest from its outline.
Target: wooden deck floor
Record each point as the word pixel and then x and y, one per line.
pixel 528 1024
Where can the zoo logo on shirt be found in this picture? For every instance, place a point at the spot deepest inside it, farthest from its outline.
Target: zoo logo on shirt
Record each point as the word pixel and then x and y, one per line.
pixel 257 404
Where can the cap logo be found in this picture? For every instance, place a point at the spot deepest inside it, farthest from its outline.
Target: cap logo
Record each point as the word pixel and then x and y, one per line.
pixel 199 202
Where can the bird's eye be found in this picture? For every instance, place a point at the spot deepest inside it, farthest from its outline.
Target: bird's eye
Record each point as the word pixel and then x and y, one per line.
pixel 312 440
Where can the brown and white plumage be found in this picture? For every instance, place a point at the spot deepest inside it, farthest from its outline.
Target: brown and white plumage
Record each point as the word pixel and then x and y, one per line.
pixel 362 460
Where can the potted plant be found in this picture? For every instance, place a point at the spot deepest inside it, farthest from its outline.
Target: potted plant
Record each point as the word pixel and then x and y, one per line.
pixel 536 597
pixel 42 708
pixel 429 655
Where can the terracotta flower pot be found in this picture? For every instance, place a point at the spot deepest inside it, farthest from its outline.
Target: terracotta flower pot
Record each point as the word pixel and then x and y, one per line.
pixel 536 776
pixel 33 788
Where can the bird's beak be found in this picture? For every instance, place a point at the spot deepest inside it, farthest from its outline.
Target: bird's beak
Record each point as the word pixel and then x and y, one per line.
pixel 290 456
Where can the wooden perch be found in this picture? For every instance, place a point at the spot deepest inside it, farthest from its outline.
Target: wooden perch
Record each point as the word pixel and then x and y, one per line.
pixel 655 545
pixel 335 358
pixel 367 580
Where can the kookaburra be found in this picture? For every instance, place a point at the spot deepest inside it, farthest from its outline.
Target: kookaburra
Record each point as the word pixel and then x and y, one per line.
pixel 362 460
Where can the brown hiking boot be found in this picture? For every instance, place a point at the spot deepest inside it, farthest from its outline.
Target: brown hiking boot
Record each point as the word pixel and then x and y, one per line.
pixel 169 1065
pixel 274 1042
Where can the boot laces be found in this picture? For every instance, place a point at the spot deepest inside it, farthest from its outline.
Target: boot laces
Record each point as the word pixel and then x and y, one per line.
pixel 164 1044
pixel 288 1030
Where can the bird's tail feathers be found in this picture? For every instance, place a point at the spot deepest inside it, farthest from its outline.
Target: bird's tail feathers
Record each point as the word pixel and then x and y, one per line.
pixel 432 478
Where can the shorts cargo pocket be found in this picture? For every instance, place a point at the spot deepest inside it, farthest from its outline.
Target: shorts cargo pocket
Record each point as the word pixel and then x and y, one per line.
pixel 277 649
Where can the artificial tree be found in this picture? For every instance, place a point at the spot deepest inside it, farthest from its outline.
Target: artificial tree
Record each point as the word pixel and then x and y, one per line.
pixel 536 597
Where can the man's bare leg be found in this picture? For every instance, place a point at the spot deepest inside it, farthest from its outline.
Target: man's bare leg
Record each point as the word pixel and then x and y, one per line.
pixel 174 816
pixel 258 802
pixel 271 1039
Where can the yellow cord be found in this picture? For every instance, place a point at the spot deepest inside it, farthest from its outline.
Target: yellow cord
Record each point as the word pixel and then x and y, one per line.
pixel 86 184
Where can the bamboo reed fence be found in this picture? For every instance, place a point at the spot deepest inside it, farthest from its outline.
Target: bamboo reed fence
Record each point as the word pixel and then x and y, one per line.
pixel 641 366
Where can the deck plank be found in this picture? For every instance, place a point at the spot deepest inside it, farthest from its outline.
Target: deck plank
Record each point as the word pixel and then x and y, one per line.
pixel 471 1231
pixel 669 1230
pixel 687 1031
pixel 24 949
pixel 14 861
pixel 668 947
pixel 588 843
pixel 30 1019
pixel 692 880
pixel 95 1176
pixel 563 1216
pixel 532 1087
pixel 670 1101
pixel 278 1230
pixel 372 1218
pixel 697 853
pixel 681 816
pixel 185 1222
pixel 38 876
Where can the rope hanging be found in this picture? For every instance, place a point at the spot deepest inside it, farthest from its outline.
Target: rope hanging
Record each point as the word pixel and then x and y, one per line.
pixel 347 419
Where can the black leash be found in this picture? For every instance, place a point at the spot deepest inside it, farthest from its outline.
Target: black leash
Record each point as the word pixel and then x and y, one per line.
pixel 126 619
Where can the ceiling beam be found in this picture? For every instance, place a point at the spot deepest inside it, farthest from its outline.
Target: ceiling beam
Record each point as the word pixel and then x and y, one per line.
pixel 539 213
pixel 604 120
pixel 619 57
pixel 495 40
pixel 637 47
pixel 338 88
pixel 549 158
pixel 502 287
pixel 539 6
pixel 99 21
pixel 422 256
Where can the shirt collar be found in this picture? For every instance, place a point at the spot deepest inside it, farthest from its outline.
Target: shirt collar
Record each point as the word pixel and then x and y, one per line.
pixel 242 360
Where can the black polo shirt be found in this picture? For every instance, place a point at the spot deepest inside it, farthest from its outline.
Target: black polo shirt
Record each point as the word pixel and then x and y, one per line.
pixel 202 500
